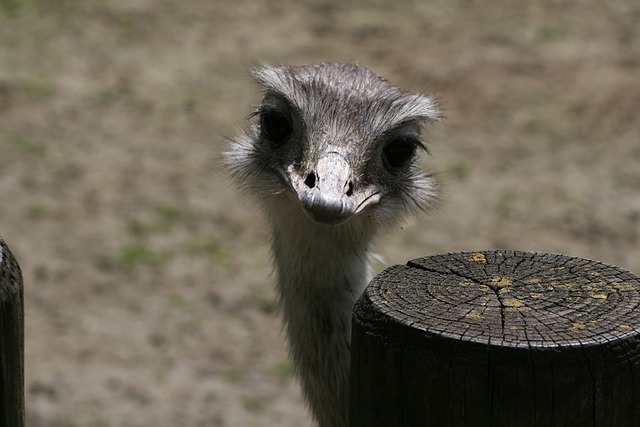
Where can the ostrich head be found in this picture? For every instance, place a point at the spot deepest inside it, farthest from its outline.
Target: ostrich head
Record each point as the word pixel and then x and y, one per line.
pixel 337 141
pixel 331 157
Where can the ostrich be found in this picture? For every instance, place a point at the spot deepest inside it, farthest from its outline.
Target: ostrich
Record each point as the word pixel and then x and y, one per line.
pixel 332 160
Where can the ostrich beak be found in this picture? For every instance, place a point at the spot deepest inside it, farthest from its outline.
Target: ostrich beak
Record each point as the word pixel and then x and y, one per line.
pixel 328 194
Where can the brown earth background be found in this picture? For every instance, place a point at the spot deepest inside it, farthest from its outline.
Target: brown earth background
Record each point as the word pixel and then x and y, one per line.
pixel 149 298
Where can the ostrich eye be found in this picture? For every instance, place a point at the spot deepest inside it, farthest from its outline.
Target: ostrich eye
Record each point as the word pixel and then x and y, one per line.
pixel 275 126
pixel 399 152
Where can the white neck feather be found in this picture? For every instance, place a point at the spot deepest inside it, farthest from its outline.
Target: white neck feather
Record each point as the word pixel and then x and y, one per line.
pixel 322 270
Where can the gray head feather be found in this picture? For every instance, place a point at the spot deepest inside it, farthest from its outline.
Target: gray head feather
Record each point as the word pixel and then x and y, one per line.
pixel 347 110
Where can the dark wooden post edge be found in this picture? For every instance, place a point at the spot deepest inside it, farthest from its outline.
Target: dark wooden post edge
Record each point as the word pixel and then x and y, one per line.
pixel 12 413
pixel 497 338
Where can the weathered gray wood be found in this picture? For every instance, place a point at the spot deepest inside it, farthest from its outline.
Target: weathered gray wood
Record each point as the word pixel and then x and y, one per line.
pixel 497 338
pixel 11 341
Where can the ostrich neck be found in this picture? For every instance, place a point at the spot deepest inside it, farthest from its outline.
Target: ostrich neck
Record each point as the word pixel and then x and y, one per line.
pixel 321 272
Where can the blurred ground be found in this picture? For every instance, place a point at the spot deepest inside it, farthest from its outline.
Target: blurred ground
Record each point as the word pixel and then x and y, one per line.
pixel 148 295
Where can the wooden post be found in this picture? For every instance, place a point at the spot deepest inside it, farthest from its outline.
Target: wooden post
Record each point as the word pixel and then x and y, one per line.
pixel 11 341
pixel 497 338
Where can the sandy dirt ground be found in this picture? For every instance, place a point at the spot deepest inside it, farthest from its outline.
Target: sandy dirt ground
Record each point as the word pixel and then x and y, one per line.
pixel 149 298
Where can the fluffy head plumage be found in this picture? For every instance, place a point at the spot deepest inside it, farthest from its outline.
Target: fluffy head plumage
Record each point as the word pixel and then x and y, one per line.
pixel 336 117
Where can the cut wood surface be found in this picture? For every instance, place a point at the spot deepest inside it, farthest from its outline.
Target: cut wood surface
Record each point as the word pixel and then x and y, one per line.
pixel 498 338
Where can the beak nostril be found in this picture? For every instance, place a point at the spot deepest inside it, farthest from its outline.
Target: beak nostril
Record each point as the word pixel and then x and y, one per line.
pixel 350 189
pixel 310 181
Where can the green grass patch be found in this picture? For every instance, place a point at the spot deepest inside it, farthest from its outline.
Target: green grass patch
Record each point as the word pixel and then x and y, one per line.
pixel 36 88
pixel 255 404
pixel 263 300
pixel 141 229
pixel 550 32
pixel 177 302
pixel 283 370
pixel 460 170
pixel 23 145
pixel 137 254
pixel 504 203
pixel 234 376
pixel 13 8
pixel 210 247
pixel 162 220
pixel 169 213
pixel 37 211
